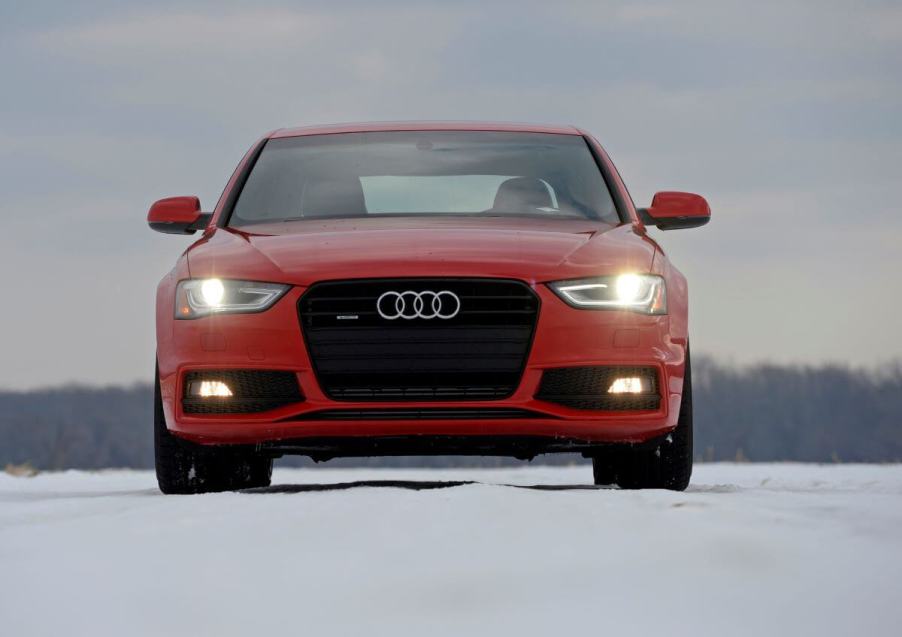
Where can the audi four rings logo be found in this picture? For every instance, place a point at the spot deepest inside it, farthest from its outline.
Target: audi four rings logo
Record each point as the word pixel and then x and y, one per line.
pixel 425 305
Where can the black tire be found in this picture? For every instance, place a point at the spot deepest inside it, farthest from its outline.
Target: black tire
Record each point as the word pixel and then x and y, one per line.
pixel 604 468
pixel 664 466
pixel 187 467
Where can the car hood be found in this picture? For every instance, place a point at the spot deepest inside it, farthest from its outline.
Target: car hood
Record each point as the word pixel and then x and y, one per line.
pixel 304 252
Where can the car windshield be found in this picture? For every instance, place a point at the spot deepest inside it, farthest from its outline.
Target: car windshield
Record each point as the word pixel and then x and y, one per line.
pixel 424 173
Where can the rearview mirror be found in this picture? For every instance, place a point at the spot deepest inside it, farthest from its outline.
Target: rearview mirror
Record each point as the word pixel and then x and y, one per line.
pixel 177 215
pixel 675 210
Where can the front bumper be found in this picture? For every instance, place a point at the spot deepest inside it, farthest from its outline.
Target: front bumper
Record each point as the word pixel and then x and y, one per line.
pixel 564 337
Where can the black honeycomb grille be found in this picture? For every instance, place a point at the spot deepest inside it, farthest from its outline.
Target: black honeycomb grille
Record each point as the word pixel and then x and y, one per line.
pixel 479 354
pixel 252 391
pixel 587 387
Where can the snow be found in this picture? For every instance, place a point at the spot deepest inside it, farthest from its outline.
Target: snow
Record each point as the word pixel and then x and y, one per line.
pixel 782 549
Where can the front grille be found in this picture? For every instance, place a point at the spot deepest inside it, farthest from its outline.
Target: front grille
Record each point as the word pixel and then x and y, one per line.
pixel 464 413
pixel 587 387
pixel 478 354
pixel 252 391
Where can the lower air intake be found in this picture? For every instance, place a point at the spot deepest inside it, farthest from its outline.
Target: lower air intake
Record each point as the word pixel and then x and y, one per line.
pixel 587 388
pixel 464 413
pixel 252 391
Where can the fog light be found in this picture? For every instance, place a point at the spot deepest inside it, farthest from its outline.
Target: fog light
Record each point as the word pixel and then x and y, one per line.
pixel 209 389
pixel 628 385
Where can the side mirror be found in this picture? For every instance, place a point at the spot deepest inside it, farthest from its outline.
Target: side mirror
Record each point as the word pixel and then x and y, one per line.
pixel 177 215
pixel 675 210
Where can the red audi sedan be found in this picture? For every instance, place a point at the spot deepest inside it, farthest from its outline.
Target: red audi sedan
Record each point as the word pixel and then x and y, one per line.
pixel 423 288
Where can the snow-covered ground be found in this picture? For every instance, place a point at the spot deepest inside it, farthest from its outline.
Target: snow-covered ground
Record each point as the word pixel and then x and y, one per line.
pixel 748 550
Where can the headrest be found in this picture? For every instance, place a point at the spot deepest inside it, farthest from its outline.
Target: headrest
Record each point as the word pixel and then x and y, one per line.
pixel 522 193
pixel 333 198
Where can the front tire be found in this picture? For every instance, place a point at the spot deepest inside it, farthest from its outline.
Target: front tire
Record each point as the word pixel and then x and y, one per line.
pixel 664 466
pixel 187 467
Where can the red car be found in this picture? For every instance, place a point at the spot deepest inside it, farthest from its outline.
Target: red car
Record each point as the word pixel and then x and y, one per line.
pixel 423 288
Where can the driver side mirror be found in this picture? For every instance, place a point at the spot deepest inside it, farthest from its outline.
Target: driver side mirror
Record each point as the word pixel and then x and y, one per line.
pixel 177 215
pixel 676 210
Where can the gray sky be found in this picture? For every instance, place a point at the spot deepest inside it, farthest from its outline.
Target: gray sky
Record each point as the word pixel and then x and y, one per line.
pixel 786 115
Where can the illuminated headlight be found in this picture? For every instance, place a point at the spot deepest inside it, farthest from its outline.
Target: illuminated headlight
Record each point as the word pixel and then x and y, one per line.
pixel 644 293
pixel 202 297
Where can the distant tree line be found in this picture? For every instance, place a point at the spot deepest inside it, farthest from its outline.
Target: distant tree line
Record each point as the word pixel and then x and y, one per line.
pixel 810 414
pixel 759 413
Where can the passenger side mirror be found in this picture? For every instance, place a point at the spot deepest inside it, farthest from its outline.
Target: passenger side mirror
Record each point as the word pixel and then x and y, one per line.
pixel 676 210
pixel 177 215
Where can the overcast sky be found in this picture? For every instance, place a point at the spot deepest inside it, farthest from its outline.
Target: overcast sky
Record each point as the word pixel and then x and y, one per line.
pixel 786 115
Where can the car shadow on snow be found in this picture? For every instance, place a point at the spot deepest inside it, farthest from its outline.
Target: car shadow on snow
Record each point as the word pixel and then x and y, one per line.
pixel 413 485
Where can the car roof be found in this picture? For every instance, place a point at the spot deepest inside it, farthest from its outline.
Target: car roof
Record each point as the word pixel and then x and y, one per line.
pixel 369 127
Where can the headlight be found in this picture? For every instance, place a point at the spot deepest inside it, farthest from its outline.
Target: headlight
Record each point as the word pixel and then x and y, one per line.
pixel 644 293
pixel 201 297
